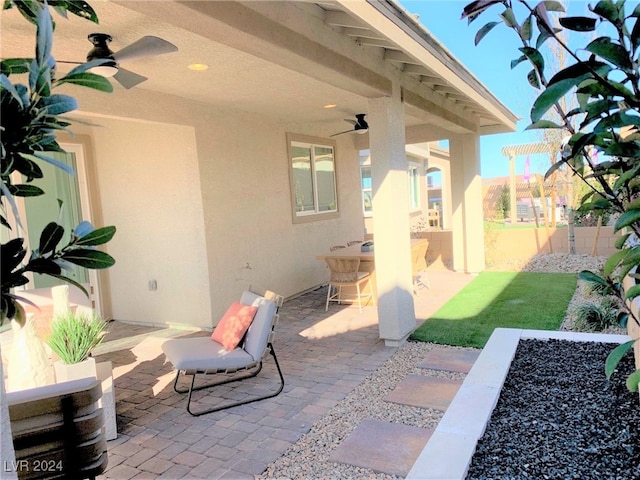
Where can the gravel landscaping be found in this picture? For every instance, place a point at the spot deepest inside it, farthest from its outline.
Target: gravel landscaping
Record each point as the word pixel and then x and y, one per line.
pixel 593 430
pixel 561 418
pixel 578 425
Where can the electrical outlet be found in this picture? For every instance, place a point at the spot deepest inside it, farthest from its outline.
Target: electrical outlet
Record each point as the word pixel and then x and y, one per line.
pixel 153 285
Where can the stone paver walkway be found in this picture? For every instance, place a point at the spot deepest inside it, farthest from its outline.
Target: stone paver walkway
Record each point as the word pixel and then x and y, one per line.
pixel 393 448
pixel 383 447
pixel 425 392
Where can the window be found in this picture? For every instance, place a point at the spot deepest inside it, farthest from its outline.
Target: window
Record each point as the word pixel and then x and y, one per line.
pixel 414 187
pixel 313 178
pixel 367 194
pixel 413 176
pixel 434 189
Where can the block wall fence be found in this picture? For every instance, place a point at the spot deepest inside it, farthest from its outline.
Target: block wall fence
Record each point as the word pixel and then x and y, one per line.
pixel 519 245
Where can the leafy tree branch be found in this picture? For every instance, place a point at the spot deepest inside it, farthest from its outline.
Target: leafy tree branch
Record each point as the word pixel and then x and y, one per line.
pixel 606 88
pixel 31 115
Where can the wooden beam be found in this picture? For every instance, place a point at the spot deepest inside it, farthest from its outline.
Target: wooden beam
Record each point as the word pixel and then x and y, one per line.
pixel 418 70
pixel 372 42
pixel 342 19
pixel 420 102
pixel 363 33
pixel 446 89
pixel 400 57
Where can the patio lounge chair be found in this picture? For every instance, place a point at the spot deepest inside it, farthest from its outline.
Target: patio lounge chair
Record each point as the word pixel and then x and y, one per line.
pixel 58 431
pixel 205 356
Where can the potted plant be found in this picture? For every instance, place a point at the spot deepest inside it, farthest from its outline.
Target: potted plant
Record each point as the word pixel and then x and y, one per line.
pixel 73 336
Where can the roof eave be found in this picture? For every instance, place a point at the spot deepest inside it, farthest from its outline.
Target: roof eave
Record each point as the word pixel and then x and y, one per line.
pixel 417 42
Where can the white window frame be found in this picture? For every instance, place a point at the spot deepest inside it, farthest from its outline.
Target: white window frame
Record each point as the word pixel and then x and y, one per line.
pixel 315 214
pixel 414 175
pixel 364 191
pixel 414 168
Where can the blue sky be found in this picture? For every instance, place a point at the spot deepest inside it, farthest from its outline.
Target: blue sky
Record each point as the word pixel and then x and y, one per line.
pixel 490 63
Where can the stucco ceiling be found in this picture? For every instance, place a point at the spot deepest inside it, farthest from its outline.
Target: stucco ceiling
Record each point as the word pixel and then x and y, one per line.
pixel 236 79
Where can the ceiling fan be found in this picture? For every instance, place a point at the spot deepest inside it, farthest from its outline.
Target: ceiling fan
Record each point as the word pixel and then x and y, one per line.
pixel 148 46
pixel 360 125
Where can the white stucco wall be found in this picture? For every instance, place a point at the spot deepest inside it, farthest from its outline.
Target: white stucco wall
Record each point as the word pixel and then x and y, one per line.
pixel 201 201
pixel 149 187
pixel 250 234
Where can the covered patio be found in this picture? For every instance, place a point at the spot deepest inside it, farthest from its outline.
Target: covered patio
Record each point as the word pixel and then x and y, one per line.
pixel 196 169
pixel 324 356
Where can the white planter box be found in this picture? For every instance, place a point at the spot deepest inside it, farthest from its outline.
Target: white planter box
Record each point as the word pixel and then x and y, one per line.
pixel 103 372
pixel 75 371
pixel 108 400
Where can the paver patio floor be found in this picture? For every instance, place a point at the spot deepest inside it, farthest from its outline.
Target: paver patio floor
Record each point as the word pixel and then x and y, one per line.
pixel 324 356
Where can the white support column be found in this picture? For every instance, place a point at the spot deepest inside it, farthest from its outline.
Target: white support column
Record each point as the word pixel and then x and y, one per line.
pixel 466 191
pixel 447 208
pixel 392 241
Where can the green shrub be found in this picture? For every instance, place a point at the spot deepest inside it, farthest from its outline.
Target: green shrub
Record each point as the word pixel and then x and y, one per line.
pixel 594 317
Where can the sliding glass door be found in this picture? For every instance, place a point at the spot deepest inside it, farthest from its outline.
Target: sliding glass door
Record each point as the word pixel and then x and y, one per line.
pixel 61 203
pixel 66 202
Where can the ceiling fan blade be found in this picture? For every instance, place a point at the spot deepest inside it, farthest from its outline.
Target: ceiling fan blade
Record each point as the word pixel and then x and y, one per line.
pixel 352 122
pixel 340 133
pixel 128 79
pixel 145 47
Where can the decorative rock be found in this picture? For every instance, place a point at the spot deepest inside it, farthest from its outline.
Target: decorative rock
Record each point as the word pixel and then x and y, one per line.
pixel 309 457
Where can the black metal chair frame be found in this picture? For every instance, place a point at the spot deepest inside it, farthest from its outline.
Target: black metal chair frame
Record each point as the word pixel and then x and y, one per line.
pixel 257 367
pixel 248 370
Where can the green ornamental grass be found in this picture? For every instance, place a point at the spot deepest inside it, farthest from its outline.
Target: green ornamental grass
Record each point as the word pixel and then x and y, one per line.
pixel 528 300
pixel 74 336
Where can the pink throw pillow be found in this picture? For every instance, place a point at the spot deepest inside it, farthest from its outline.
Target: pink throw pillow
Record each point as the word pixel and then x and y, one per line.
pixel 234 325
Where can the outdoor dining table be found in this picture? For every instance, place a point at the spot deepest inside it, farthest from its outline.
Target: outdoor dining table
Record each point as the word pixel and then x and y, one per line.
pixel 367 261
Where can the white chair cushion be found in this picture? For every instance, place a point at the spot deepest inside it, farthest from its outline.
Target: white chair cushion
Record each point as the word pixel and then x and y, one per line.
pixel 203 354
pixel 259 330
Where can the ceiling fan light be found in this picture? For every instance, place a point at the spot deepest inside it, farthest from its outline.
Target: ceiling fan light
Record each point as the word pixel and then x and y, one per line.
pixel 101 51
pixel 198 67
pixel 361 131
pixel 109 69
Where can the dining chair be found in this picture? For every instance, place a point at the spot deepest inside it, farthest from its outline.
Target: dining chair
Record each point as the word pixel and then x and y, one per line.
pixel 336 247
pixel 354 242
pixel 419 266
pixel 344 273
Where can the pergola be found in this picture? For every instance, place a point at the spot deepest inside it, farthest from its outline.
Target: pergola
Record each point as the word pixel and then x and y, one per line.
pixel 512 151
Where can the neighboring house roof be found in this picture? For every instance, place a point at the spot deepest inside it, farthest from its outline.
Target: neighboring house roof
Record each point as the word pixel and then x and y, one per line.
pixel 288 59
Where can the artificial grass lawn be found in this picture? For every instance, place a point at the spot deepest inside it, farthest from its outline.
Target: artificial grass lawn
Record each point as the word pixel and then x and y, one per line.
pixel 529 300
